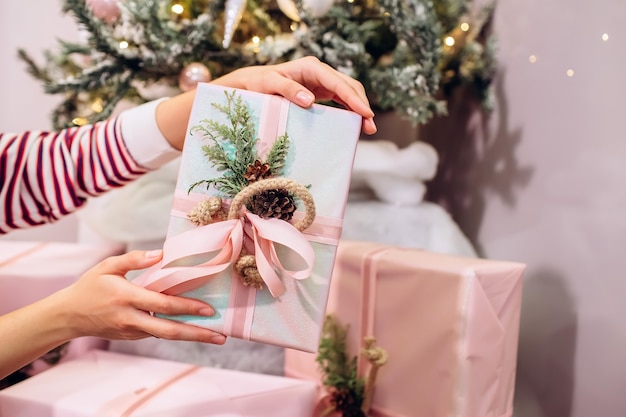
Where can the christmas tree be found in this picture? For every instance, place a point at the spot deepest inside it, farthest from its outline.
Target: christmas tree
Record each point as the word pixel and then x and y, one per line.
pixel 409 54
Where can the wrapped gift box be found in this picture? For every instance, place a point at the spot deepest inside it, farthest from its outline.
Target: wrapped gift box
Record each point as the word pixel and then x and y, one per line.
pixel 30 271
pixel 449 324
pixel 295 267
pixel 107 384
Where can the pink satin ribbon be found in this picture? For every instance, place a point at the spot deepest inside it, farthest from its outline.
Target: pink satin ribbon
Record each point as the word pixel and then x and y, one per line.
pixel 23 254
pixel 369 269
pixel 326 230
pixel 127 404
pixel 225 239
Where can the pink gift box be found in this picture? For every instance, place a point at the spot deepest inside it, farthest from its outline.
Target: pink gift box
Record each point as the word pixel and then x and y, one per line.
pixel 295 266
pixel 449 324
pixel 30 271
pixel 107 384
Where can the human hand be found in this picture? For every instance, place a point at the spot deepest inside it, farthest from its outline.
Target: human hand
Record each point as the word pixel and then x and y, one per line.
pixel 304 81
pixel 103 303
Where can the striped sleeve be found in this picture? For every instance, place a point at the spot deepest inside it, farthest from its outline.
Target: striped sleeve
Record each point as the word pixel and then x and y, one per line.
pixel 47 175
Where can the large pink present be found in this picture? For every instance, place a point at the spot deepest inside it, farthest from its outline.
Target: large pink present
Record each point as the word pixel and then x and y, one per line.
pixel 449 325
pixel 266 273
pixel 30 271
pixel 107 384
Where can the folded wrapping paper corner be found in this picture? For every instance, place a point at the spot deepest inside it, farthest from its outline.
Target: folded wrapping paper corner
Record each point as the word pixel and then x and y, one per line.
pixel 296 267
pixel 107 384
pixel 450 326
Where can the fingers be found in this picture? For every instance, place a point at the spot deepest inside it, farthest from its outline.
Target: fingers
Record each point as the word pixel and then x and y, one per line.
pixel 303 81
pixel 344 88
pixel 330 84
pixel 134 260
pixel 173 330
pixel 172 305
pixel 292 90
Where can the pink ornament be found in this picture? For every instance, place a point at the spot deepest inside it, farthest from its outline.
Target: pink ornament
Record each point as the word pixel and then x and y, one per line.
pixel 193 74
pixel 107 10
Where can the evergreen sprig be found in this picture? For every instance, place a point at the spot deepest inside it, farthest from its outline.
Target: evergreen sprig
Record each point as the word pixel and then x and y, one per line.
pixel 394 47
pixel 339 371
pixel 232 146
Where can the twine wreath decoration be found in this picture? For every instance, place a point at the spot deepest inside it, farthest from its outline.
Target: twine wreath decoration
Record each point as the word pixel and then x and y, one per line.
pixel 251 184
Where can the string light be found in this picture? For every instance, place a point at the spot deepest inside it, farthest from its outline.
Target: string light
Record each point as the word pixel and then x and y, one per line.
pixel 96 105
pixel 123 45
pixel 532 59
pixel 570 72
pixel 605 37
pixel 255 41
pixel 79 121
pixel 449 41
pixel 178 8
pixel 465 26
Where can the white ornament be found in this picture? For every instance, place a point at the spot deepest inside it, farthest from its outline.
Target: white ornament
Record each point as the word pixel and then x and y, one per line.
pixel 317 8
pixel 232 16
pixel 288 7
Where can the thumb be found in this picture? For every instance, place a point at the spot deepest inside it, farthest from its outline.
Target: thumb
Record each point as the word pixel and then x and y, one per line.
pixel 120 265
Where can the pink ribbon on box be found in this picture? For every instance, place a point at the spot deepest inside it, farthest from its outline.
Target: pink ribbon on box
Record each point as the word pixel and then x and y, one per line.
pixel 366 328
pixel 126 404
pixel 326 230
pixel 22 254
pixel 227 239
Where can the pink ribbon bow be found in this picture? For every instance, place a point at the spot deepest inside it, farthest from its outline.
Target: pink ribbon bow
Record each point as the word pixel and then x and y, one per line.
pixel 176 272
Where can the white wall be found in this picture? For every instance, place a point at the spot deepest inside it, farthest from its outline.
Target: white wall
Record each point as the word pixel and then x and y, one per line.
pixel 33 26
pixel 541 181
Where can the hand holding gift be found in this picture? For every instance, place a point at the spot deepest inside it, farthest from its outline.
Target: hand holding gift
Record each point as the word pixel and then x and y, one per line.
pixel 110 154
pixel 302 81
pixel 103 304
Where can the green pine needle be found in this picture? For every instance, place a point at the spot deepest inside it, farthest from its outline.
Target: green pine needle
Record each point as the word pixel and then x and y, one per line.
pixel 232 146
pixel 339 371
pixel 393 47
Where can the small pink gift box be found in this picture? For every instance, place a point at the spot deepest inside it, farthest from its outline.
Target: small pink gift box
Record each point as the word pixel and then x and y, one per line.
pixel 30 271
pixel 107 384
pixel 449 324
pixel 200 261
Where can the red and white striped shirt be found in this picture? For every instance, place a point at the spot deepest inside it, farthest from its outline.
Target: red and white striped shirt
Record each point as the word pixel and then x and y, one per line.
pixel 47 175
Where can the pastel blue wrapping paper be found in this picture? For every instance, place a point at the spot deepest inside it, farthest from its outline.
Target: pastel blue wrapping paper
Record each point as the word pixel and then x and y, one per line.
pixel 322 147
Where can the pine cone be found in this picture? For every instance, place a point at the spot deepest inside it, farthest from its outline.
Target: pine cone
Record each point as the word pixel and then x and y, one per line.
pixel 344 401
pixel 257 171
pixel 278 204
